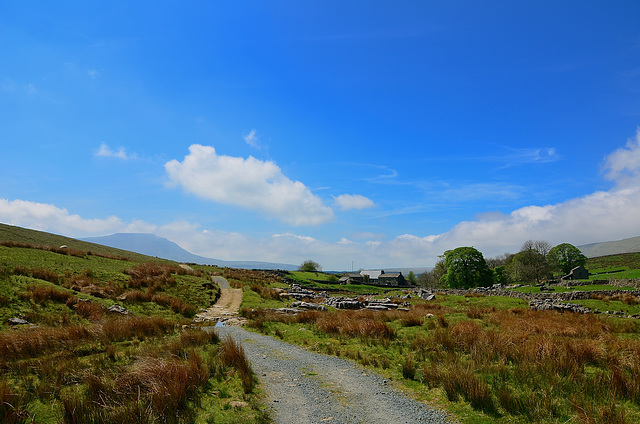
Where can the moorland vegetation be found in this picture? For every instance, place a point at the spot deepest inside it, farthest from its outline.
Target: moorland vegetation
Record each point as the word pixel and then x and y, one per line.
pixel 72 360
pixel 483 358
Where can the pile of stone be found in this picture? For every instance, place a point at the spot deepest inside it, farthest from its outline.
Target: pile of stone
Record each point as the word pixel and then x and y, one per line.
pixel 425 294
pixel 550 305
pixel 309 305
pixel 299 293
pixel 339 302
pixel 381 305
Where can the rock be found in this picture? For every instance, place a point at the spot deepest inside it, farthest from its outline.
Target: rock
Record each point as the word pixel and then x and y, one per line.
pixel 238 404
pixel 119 309
pixel 307 305
pixel 426 294
pixel 18 321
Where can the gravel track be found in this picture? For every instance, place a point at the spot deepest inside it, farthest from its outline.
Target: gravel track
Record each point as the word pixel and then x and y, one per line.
pixel 306 387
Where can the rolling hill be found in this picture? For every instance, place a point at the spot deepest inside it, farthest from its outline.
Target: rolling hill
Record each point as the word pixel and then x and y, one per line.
pixel 152 245
pixel 594 250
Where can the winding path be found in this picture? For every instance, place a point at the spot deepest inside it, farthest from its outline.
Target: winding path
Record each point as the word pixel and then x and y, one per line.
pixel 226 308
pixel 304 387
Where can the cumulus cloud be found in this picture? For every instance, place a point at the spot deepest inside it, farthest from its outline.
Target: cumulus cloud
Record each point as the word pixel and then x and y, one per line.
pixel 48 217
pixel 105 151
pixel 353 201
pixel 600 216
pixel 249 183
pixel 623 165
pixel 252 139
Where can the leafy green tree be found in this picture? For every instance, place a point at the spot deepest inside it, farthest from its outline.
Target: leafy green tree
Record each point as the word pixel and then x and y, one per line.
pixel 564 257
pixel 310 266
pixel 411 277
pixel 500 276
pixel 466 268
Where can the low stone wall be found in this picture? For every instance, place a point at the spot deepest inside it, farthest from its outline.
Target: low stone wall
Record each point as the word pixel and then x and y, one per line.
pixel 564 296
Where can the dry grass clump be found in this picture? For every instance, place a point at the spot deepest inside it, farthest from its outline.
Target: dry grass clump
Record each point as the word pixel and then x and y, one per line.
pixel 12 405
pixel 366 325
pixel 266 292
pixel 90 310
pixel 153 389
pixel 39 273
pixel 41 294
pixel 153 274
pixel 232 355
pixel 260 278
pixel 34 341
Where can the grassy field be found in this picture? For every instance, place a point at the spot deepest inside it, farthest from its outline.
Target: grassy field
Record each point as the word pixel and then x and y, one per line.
pixel 626 265
pixel 76 362
pixel 485 359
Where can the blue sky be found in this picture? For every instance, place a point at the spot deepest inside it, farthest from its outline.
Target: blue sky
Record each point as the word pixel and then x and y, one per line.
pixel 378 132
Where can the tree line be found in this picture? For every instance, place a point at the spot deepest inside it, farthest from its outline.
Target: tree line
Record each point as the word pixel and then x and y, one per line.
pixel 536 262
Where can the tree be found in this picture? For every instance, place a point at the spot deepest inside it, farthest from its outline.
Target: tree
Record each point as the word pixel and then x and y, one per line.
pixel 466 268
pixel 310 266
pixel 431 279
pixel 528 266
pixel 564 257
pixel 541 246
pixel 411 277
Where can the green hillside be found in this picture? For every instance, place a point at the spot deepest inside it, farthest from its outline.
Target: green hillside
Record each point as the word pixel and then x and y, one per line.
pixel 41 238
pixel 624 265
pixel 72 360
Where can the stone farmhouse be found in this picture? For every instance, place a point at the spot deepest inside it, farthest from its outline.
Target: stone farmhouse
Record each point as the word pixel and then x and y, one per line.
pixel 375 278
pixel 577 273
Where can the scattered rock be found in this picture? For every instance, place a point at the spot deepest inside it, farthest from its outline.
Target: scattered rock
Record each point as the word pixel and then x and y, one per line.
pixel 308 305
pixel 119 309
pixel 238 404
pixel 549 304
pixel 18 321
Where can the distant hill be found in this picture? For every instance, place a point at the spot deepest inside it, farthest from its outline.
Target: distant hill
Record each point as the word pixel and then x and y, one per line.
pixel 152 245
pixel 594 250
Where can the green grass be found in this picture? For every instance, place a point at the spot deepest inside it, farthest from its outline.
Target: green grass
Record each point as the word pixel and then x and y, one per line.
pixel 51 368
pixel 487 359
pixel 306 277
pixel 564 289
pixel 628 261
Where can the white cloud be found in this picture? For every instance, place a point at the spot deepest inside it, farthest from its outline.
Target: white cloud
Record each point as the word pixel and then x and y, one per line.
pixel 48 217
pixel 599 216
pixel 623 165
pixel 353 201
pixel 252 139
pixel 121 153
pixel 249 183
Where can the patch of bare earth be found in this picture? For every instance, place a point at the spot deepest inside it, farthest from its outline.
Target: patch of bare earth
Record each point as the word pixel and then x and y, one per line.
pixel 226 308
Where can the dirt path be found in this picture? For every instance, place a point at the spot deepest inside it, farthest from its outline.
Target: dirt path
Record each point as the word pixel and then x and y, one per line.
pixel 304 387
pixel 226 308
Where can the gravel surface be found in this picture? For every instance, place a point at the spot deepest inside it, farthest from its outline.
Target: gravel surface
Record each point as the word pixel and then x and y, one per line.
pixel 306 387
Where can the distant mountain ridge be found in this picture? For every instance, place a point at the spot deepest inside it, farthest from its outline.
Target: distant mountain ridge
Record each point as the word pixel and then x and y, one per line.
pixel 152 245
pixel 606 248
